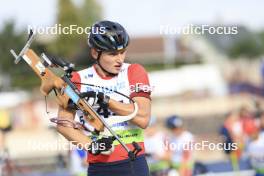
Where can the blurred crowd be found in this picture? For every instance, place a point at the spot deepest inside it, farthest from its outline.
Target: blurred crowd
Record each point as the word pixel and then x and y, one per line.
pixel 168 141
pixel 242 134
pixel 246 129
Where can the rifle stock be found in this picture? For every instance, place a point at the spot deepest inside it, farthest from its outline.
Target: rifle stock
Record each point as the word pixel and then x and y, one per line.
pixel 49 82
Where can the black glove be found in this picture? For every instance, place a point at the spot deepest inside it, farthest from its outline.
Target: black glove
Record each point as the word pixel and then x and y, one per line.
pixel 99 98
pixel 103 100
pixel 101 145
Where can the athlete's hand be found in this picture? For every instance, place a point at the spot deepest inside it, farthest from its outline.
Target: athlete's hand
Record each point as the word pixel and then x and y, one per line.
pixel 96 98
pixel 101 145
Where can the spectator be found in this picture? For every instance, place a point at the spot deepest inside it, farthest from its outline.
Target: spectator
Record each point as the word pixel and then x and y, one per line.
pixel 232 132
pixel 261 123
pixel 255 152
pixel 180 142
pixel 247 120
pixel 157 156
pixel 78 162
pixel 5 125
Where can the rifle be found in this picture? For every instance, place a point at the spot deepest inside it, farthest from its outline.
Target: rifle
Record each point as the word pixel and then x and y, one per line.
pixel 66 92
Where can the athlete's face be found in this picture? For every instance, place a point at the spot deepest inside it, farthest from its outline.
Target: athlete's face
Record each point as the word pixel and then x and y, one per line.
pixel 177 131
pixel 112 61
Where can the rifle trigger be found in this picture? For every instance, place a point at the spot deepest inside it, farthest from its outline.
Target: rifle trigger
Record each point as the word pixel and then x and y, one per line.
pixel 55 92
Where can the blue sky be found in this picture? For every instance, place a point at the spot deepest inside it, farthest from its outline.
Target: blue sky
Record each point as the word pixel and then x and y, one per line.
pixel 145 17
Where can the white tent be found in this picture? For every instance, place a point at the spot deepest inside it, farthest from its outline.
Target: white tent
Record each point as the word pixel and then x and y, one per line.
pixel 11 99
pixel 188 78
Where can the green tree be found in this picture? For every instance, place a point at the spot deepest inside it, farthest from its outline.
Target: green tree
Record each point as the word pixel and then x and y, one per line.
pixel 261 38
pixel 71 46
pixel 9 38
pixel 66 44
pixel 89 12
pixel 20 75
pixel 250 46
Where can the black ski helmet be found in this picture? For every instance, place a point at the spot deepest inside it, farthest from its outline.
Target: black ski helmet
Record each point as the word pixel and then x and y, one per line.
pixel 108 36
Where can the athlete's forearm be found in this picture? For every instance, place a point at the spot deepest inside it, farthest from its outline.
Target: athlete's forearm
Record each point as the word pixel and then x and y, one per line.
pixel 143 114
pixel 120 108
pixel 75 136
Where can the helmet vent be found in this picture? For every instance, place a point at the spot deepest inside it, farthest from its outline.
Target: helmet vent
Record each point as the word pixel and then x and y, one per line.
pixel 114 26
pixel 108 28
